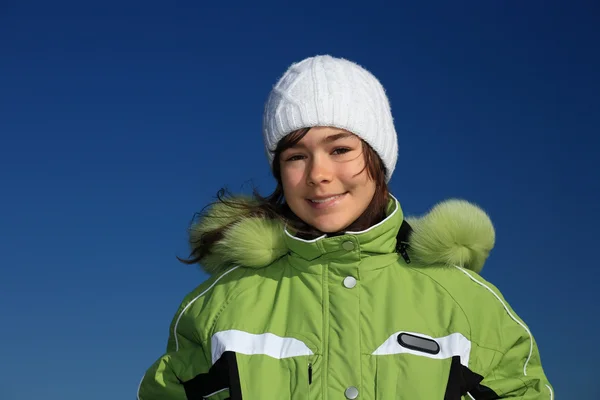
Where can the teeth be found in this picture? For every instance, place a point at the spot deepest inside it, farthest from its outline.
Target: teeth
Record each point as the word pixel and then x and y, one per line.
pixel 325 200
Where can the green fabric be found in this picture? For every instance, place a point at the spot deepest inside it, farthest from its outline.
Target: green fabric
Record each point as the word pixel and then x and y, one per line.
pixel 301 294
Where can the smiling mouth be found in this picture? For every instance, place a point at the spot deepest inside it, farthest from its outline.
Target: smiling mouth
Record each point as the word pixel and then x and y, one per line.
pixel 326 199
pixel 325 202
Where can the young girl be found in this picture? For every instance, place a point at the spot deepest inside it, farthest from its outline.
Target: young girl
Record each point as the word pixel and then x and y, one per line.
pixel 324 290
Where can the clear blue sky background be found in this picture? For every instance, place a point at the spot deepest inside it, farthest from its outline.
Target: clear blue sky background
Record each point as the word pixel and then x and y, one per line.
pixel 119 120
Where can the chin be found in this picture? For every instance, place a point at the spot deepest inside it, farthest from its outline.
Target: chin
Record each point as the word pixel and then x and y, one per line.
pixel 329 226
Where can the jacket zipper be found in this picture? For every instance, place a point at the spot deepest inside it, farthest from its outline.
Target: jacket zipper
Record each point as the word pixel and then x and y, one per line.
pixel 402 250
pixel 310 374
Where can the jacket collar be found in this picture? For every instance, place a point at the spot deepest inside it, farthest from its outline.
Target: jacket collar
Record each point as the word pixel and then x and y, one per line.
pixel 378 239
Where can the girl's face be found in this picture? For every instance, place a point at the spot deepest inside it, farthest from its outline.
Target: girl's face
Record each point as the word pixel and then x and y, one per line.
pixel 325 180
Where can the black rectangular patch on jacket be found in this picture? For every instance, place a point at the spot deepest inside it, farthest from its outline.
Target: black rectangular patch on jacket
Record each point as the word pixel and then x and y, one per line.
pixel 462 381
pixel 224 374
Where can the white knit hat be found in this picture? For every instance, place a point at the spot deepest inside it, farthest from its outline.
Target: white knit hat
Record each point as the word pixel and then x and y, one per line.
pixel 328 91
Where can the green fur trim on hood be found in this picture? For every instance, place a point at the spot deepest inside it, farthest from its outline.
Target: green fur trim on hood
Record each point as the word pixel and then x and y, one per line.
pixel 454 232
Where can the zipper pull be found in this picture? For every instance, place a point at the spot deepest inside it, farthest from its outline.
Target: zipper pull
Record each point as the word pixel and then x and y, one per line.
pixel 310 374
pixel 403 252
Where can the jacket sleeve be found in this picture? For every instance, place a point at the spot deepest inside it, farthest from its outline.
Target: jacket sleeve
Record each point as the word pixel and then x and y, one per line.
pixel 186 370
pixel 519 373
pixel 165 378
pixel 516 369
pixel 172 376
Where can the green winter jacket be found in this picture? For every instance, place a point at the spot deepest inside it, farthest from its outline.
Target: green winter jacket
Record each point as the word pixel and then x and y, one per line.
pixel 354 316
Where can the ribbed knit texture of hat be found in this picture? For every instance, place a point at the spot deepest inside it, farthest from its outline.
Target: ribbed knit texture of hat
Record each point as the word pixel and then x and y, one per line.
pixel 329 91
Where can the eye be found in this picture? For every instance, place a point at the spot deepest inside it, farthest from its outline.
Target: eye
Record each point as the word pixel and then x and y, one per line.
pixel 295 157
pixel 341 150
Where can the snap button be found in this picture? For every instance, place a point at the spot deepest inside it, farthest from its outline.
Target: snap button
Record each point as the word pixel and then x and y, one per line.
pixel 349 282
pixel 351 393
pixel 348 245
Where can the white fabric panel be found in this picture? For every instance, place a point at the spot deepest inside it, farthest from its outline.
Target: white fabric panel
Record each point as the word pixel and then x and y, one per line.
pixel 452 345
pixel 249 343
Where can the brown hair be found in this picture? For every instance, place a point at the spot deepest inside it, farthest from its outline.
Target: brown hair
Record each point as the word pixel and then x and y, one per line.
pixel 275 207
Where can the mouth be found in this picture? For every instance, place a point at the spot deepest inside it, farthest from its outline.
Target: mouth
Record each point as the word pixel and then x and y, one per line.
pixel 325 202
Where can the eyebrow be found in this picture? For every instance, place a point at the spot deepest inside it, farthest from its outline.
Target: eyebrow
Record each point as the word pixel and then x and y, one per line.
pixel 337 136
pixel 328 139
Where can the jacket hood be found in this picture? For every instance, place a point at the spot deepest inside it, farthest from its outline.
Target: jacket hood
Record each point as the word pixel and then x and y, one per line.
pixel 453 233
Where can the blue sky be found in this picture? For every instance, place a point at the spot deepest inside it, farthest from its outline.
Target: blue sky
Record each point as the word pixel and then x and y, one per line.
pixel 120 120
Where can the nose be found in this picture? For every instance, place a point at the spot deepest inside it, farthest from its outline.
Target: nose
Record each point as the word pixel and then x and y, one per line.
pixel 319 171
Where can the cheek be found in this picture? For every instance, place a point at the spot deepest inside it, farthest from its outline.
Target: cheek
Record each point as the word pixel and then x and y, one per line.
pixel 361 184
pixel 355 170
pixel 353 175
pixel 291 179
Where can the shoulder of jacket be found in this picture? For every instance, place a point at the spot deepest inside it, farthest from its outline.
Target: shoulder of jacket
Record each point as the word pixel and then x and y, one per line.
pixel 484 305
pixel 201 307
pixel 204 303
pixel 468 288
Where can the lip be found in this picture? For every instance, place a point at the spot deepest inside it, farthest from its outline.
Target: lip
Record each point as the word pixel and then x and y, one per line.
pixel 334 200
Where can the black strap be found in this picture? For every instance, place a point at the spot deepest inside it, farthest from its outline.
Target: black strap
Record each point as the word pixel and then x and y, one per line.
pixel 402 240
pixel 224 374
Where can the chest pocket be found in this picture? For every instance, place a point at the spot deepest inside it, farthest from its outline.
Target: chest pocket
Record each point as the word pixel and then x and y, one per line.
pixel 255 366
pixel 263 377
pixel 416 366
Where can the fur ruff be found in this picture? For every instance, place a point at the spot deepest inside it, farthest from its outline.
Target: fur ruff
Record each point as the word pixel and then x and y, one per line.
pixel 453 233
